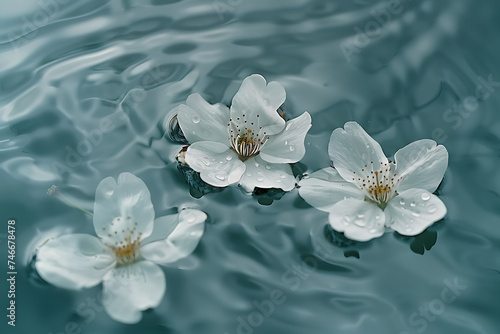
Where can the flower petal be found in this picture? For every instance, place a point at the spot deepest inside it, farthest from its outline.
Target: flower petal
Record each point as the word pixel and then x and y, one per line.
pixel 421 164
pixel 122 207
pixel 74 261
pixel 217 164
pixel 288 145
pixel 413 211
pixel 359 220
pixel 181 242
pixel 351 149
pixel 202 121
pixel 323 188
pixel 163 226
pixel 260 173
pixel 258 103
pixel 130 289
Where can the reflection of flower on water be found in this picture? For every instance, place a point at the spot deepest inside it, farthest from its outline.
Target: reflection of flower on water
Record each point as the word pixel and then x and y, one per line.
pixel 130 241
pixel 248 143
pixel 365 192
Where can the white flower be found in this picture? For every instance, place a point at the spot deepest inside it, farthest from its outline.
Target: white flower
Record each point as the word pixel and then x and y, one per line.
pixel 248 143
pixel 130 242
pixel 366 193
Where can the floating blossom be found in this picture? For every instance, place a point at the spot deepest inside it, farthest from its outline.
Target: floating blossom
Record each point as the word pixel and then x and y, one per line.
pixel 366 193
pixel 130 241
pixel 248 143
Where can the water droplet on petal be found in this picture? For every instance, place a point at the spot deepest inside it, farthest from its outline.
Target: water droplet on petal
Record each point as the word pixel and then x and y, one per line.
pixel 425 196
pixel 283 176
pixel 286 142
pixel 402 202
pixel 360 215
pixel 260 179
pixel 415 214
pixel 248 174
pixel 432 208
pixel 205 162
pixel 346 220
pixel 220 177
pixel 372 230
pixel 288 126
pixel 377 217
pixel 278 181
pixel 229 158
pixel 360 222
pixel 412 204
pixel 257 164
pixel 196 119
pixel 292 147
pixel 268 167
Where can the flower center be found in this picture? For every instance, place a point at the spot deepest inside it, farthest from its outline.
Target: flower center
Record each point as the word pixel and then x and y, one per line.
pixel 379 185
pixel 128 253
pixel 123 240
pixel 246 138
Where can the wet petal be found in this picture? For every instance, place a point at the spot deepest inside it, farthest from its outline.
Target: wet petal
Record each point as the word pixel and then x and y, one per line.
pixel 163 226
pixel 181 242
pixel 351 149
pixel 413 211
pixel 323 188
pixel 130 289
pixel 288 145
pixel 262 174
pixel 421 164
pixel 257 103
pixel 74 261
pixel 123 209
pixel 202 121
pixel 217 164
pixel 359 220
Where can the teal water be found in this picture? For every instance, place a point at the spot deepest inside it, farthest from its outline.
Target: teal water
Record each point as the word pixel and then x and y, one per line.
pixel 84 89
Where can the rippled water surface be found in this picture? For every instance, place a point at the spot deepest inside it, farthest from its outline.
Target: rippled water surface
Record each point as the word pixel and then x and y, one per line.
pixel 111 71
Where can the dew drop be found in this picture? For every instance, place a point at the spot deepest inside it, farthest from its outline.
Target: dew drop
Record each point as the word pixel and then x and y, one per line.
pixel 260 179
pixel 360 216
pixel 377 217
pixel 292 147
pixel 288 126
pixel 415 214
pixel 432 208
pixel 283 176
pixel 278 181
pixel 360 222
pixel 268 167
pixel 286 142
pixel 257 164
pixel 249 175
pixel 402 202
pixel 229 158
pixel 196 119
pixel 346 220
pixel 425 196
pixel 220 177
pixel 412 204
pixel 372 230
pixel 206 162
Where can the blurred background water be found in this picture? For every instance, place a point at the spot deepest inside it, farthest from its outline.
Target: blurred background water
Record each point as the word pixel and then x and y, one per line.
pixel 84 89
